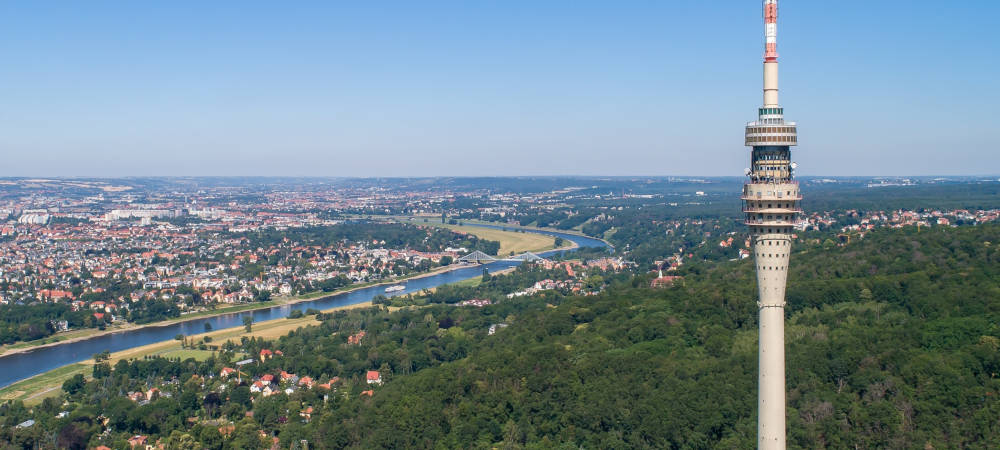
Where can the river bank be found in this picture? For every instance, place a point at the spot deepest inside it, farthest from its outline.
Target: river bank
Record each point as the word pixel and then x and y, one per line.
pixel 312 296
pixel 33 390
pixel 81 335
pixel 21 364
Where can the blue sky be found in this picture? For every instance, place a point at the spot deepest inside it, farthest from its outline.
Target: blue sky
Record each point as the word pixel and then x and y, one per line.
pixel 103 88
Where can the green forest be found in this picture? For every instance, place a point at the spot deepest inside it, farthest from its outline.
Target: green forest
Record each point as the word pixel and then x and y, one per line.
pixel 892 341
pixel 396 236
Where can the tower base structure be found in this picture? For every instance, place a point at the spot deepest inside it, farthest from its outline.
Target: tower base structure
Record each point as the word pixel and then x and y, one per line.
pixel 771 254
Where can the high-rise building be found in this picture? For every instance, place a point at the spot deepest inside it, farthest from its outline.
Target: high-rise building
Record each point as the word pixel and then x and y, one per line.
pixel 771 204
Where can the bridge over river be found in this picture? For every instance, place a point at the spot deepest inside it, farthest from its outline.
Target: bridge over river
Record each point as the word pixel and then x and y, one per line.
pixel 479 257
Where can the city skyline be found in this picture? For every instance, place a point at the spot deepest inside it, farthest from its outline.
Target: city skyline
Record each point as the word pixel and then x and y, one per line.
pixel 452 89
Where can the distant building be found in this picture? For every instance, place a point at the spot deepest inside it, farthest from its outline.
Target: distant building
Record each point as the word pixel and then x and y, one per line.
pixel 663 281
pixel 33 219
pixel 137 440
pixel 121 214
pixel 356 338
pixel 478 302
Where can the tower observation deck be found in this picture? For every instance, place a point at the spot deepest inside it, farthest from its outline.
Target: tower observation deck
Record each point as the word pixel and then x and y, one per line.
pixel 771 206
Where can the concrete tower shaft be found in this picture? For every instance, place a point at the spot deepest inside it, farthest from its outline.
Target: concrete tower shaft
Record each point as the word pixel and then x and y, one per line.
pixel 771 207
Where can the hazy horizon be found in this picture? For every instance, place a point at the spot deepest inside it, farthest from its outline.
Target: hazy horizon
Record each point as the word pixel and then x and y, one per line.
pixel 519 89
pixel 680 177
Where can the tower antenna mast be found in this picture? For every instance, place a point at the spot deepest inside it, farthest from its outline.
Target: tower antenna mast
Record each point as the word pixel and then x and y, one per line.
pixel 771 204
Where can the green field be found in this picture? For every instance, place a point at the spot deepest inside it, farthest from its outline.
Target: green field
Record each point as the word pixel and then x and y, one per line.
pixel 35 389
pixel 183 354
pixel 471 282
pixel 510 241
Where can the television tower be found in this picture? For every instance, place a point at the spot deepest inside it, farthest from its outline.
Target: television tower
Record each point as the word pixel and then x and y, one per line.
pixel 771 204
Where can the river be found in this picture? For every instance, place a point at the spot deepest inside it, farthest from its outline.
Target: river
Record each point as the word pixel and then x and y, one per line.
pixel 18 366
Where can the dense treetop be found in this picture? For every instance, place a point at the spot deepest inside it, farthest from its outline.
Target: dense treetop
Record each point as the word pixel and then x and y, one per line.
pixel 891 342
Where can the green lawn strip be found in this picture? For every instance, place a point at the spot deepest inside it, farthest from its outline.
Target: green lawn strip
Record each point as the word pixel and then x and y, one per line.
pixel 183 354
pixel 471 282
pixel 33 390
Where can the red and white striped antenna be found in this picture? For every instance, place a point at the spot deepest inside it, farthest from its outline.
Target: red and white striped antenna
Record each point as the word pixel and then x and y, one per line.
pixel 771 30
pixel 770 53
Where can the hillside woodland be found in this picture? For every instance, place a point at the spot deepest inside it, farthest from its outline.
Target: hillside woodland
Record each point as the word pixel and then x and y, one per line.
pixel 892 341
